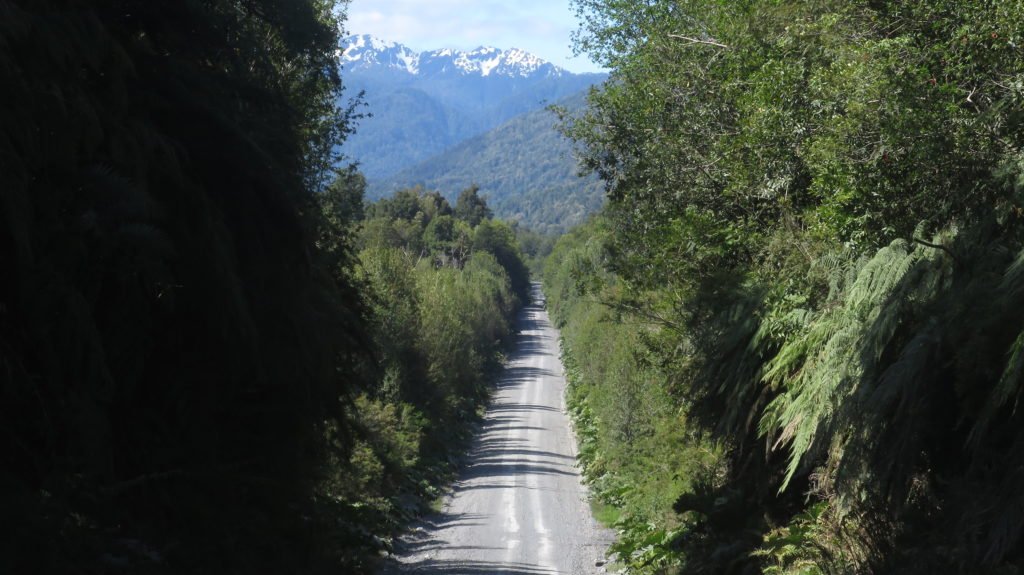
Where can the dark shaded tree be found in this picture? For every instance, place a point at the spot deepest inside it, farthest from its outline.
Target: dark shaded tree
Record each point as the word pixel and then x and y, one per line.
pixel 172 348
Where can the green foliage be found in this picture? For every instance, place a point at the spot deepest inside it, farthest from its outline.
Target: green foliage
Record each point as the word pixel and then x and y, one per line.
pixel 814 210
pixel 441 311
pixel 535 247
pixel 636 449
pixel 843 347
pixel 498 239
pixel 425 226
pixel 471 208
pixel 396 303
pixel 792 550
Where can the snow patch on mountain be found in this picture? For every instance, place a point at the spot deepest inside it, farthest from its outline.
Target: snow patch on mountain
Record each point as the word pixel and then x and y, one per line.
pixel 367 51
pixel 364 51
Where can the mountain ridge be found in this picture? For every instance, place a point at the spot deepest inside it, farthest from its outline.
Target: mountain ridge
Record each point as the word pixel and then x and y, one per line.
pixel 366 51
pixel 420 104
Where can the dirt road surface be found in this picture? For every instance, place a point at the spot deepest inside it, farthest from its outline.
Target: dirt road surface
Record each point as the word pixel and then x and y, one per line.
pixel 519 507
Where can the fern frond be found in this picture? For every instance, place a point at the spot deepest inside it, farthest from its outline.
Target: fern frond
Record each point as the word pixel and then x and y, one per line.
pixel 823 372
pixel 883 444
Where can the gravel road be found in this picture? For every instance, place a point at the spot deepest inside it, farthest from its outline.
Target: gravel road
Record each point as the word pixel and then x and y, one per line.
pixel 519 507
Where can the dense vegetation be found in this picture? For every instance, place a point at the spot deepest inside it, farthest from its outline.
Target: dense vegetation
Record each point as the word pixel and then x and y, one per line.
pixel 443 285
pixel 205 365
pixel 525 167
pixel 806 286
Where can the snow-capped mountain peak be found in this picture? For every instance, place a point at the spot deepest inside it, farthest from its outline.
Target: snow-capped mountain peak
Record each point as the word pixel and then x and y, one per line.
pixel 368 51
pixel 365 52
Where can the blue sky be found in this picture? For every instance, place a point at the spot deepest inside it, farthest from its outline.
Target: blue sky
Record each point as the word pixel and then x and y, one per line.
pixel 541 27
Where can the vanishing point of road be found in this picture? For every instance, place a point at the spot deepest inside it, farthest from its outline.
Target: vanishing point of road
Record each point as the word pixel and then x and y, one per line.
pixel 519 507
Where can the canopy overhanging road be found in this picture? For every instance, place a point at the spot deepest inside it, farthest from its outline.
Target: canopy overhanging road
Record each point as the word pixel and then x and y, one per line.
pixel 519 507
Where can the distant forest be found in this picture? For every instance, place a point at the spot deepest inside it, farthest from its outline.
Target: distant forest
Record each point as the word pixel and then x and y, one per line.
pixel 526 168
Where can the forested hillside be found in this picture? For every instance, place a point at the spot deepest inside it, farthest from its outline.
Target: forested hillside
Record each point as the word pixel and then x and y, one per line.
pixel 525 167
pixel 213 359
pixel 794 334
pixel 421 104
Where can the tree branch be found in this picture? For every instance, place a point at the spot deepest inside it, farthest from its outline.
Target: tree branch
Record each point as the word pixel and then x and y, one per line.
pixel 937 247
pixel 697 41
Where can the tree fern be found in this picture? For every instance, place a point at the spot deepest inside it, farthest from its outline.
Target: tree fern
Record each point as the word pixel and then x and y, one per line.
pixel 820 371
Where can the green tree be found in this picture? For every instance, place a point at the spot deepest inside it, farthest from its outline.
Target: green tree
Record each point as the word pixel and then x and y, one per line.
pixel 433 205
pixel 449 239
pixel 403 205
pixel 471 208
pixel 396 308
pixel 498 239
pixel 804 199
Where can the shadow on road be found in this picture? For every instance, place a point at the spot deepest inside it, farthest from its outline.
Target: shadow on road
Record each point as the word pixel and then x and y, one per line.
pixel 476 568
pixel 501 458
